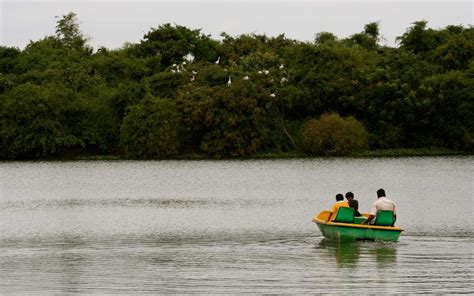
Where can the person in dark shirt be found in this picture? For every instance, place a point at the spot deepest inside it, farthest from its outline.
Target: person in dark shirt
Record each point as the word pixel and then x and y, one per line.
pixel 353 203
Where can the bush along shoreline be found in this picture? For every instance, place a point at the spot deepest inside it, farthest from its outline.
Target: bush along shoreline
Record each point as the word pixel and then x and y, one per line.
pixel 269 155
pixel 180 94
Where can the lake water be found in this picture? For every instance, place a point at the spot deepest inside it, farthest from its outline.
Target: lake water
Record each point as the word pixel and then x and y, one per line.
pixel 205 227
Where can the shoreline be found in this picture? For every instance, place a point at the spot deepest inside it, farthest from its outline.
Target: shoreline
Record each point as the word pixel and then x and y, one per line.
pixel 378 153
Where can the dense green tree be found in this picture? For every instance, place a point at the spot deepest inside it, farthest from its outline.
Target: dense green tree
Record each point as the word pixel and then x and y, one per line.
pixel 328 76
pixel 37 121
pixel 368 38
pixel 448 104
pixel 457 49
pixel 120 65
pixel 96 123
pixel 227 120
pixel 172 43
pixel 151 129
pixel 324 37
pixel 8 59
pixel 167 84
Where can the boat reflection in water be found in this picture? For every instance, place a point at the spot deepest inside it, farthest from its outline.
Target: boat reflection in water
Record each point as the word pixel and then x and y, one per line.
pixel 384 253
pixel 350 254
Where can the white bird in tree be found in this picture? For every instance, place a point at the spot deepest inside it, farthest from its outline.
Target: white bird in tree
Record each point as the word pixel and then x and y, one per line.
pixel 193 78
pixel 282 67
pixel 173 71
pixel 217 61
pixel 272 95
pixel 246 77
pixel 259 72
pixel 189 57
pixel 229 82
pixel 283 80
pixel 194 72
pixel 174 65
pixel 266 72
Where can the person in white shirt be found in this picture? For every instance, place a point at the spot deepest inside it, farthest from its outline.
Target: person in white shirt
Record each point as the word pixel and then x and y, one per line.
pixel 382 203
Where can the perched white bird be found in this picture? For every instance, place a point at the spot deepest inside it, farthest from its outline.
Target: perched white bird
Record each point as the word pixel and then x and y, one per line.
pixel 229 82
pixel 246 77
pixel 174 65
pixel 266 72
pixel 259 72
pixel 173 71
pixel 184 63
pixel 192 78
pixel 272 95
pixel 194 72
pixel 189 57
pixel 283 80
pixel 282 67
pixel 218 60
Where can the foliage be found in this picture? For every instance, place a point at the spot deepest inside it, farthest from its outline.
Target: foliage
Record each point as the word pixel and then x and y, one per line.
pixel 68 32
pixel 36 121
pixel 327 76
pixel 150 129
pixel 181 91
pixel 172 43
pixel 227 121
pixel 333 135
pixel 8 59
pixel 447 103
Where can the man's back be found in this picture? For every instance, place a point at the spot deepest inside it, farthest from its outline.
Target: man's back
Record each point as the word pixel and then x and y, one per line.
pixel 382 203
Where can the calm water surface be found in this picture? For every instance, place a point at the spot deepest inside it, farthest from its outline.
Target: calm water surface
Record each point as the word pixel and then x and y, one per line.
pixel 230 227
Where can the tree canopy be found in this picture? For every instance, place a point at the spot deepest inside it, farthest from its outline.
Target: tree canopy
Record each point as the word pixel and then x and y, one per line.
pixel 178 91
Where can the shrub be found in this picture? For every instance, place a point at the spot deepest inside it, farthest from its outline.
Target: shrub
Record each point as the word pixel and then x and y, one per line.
pixel 150 129
pixel 333 135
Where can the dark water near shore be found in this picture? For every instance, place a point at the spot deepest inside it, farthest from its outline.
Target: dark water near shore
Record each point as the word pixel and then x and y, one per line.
pixel 230 227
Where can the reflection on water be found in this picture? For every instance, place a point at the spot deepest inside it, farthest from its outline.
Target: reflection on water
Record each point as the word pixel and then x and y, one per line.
pixel 214 227
pixel 71 265
pixel 344 254
pixel 347 254
pixel 385 254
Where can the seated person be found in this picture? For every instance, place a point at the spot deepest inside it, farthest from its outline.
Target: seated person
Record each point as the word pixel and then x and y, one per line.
pixel 382 203
pixel 353 203
pixel 339 203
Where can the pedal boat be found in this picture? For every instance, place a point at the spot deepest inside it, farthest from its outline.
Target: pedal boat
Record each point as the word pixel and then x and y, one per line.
pixel 346 227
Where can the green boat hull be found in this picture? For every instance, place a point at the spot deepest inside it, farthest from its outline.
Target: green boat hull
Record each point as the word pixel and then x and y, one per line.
pixel 346 233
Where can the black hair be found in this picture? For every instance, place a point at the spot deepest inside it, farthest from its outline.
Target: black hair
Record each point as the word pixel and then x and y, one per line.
pixel 380 193
pixel 349 194
pixel 339 197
